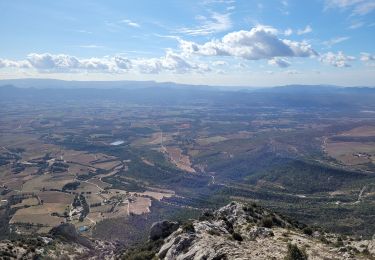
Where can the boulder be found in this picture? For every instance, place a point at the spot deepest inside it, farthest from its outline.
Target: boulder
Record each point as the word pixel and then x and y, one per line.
pixel 260 232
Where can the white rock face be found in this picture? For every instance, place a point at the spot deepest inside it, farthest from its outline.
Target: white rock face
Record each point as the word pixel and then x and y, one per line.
pixel 236 232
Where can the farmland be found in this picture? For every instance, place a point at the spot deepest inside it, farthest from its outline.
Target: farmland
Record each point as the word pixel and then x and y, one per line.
pixel 98 163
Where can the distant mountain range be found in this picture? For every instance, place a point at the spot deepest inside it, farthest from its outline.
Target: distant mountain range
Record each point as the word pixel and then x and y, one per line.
pixel 54 83
pixel 153 93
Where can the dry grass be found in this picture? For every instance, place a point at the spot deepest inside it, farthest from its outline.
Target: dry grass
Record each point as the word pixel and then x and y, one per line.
pixel 141 205
pixel 211 140
pixel 107 165
pixel 347 152
pixel 47 182
pixel 361 131
pixel 180 160
pixel 40 214
pixel 56 197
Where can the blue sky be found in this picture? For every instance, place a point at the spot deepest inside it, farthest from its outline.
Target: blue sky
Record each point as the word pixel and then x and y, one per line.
pixel 218 42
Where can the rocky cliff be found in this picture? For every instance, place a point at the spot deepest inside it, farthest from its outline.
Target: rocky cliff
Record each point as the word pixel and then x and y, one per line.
pixel 236 231
pixel 239 231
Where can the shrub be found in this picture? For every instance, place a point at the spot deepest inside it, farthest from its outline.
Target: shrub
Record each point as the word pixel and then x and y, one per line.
pixel 267 222
pixel 277 221
pixel 308 231
pixel 188 227
pixel 143 252
pixel 294 253
pixel 339 242
pixel 366 252
pixel 237 236
pixel 213 232
pixel 206 216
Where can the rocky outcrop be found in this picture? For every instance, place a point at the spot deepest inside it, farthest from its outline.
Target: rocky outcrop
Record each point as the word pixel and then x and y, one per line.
pixel 69 233
pixel 162 229
pixel 239 231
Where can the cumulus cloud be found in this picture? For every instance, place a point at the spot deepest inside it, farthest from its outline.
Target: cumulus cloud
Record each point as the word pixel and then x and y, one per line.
pixel 123 63
pixel 170 62
pixel 367 56
pixel 215 23
pixel 47 62
pixel 23 64
pixel 337 59
pixel 368 59
pixel 282 63
pixel 62 63
pixel 261 42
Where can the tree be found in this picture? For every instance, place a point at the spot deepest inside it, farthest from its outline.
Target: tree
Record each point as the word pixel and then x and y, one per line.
pixel 294 253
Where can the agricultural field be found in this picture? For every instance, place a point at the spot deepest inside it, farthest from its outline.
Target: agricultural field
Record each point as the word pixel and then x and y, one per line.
pixel 136 161
pixel 355 147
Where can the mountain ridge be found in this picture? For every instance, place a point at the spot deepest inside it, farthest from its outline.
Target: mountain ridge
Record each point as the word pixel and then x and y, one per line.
pixel 129 84
pixel 248 231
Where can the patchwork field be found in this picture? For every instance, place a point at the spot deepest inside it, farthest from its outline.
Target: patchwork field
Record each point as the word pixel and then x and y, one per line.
pixel 352 153
pixel 353 147
pixel 176 157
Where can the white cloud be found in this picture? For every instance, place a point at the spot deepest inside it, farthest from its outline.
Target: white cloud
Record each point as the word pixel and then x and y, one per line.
pixel 23 64
pixel 215 23
pixel 170 62
pixel 91 46
pixel 47 61
pixel 119 25
pixel 282 63
pixel 284 7
pixel 130 23
pixel 123 63
pixel 357 7
pixel 368 59
pixel 261 42
pixel 62 63
pixel 356 25
pixel 83 31
pixel 97 64
pixel 341 3
pixel 367 56
pixel 337 59
pixel 209 2
pixel 364 8
pixel 306 30
pixel 288 32
pixel 336 40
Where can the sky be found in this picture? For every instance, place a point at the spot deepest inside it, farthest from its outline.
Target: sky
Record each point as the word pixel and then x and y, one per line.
pixel 211 42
